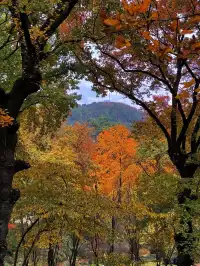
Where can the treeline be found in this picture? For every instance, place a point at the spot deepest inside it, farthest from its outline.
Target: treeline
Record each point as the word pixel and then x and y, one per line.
pixel 101 114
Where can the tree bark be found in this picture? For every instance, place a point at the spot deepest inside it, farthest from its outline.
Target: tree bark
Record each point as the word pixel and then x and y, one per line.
pixel 185 239
pixel 8 195
pixel 51 256
pixel 112 245
pixel 74 250
pixel 134 249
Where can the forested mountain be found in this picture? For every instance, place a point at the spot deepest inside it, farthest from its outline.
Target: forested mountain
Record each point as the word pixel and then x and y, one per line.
pixel 107 113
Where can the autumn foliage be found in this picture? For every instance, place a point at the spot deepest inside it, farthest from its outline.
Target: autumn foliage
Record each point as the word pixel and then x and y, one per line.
pixel 114 157
pixel 5 119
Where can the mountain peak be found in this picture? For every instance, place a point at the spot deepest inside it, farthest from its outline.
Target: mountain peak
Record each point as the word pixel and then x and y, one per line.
pixel 113 112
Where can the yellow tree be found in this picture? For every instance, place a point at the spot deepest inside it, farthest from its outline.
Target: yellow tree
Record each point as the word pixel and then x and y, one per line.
pixel 57 190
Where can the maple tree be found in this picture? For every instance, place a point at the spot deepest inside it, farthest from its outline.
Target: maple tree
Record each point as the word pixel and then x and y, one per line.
pixel 151 47
pixel 115 150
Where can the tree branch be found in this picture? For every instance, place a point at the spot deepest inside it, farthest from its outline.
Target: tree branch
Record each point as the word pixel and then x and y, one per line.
pixel 60 14
pixel 190 116
pixel 22 239
pixel 21 165
pixel 133 70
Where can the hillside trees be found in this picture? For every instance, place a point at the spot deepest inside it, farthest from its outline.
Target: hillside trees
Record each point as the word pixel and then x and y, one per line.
pixel 149 48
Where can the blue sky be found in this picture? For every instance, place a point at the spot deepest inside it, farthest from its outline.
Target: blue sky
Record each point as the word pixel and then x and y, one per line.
pixel 89 96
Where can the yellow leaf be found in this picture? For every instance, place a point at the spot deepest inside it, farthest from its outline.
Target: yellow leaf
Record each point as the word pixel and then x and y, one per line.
pixel 127 43
pixel 198 89
pixel 167 50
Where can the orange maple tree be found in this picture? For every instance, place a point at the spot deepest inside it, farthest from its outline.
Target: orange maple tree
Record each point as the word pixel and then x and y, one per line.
pixel 114 157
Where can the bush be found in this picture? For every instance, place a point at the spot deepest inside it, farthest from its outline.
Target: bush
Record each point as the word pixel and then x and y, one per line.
pixel 115 259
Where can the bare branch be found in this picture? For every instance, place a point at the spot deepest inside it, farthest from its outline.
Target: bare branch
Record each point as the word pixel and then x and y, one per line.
pixel 133 70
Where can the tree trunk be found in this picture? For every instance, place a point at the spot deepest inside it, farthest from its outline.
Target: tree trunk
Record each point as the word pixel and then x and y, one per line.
pixel 134 249
pixel 112 245
pixel 185 239
pixel 74 250
pixel 51 256
pixel 34 257
pixel 8 195
pixel 95 249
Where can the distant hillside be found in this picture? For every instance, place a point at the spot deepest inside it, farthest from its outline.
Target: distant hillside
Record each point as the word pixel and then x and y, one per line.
pixel 105 112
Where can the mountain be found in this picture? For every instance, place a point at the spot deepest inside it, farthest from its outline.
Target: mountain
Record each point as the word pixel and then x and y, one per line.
pixel 105 113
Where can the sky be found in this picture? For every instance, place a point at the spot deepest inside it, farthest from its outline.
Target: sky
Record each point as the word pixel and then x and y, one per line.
pixel 89 96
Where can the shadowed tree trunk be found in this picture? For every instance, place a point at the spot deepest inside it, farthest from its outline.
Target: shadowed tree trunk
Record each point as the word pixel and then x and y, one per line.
pixel 51 256
pixel 113 228
pixel 185 238
pixel 74 249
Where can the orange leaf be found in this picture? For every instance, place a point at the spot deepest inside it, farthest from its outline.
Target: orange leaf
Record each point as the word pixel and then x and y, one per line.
pixel 189 83
pixel 111 22
pixel 154 15
pixel 146 35
pixel 194 19
pixel 145 5
pixel 196 46
pixel 186 32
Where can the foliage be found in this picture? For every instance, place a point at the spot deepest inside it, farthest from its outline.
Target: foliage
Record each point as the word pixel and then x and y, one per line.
pixel 5 119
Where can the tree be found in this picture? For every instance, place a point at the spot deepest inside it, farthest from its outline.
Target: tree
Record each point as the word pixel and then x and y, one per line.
pixel 148 47
pixel 62 159
pixel 30 37
pixel 115 151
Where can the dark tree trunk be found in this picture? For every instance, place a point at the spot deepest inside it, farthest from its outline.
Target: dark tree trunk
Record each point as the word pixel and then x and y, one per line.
pixel 35 257
pixel 134 249
pixel 51 253
pixel 95 248
pixel 112 245
pixel 8 195
pixel 185 238
pixel 74 250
